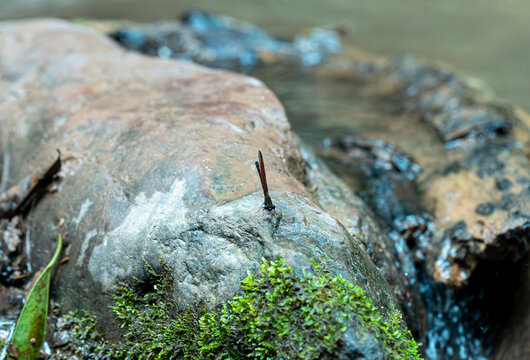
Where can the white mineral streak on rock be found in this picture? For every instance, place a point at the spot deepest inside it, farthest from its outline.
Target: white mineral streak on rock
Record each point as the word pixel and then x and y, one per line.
pixel 254 81
pixel 235 128
pixel 82 212
pixel 133 238
pixel 84 246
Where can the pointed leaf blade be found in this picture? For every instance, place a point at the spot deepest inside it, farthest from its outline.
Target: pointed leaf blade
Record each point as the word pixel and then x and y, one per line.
pixel 31 325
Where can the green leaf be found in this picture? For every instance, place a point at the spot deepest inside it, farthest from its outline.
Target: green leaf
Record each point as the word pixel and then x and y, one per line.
pixel 31 325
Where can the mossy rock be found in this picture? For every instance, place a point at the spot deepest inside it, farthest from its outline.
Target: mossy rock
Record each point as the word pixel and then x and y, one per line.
pixel 281 313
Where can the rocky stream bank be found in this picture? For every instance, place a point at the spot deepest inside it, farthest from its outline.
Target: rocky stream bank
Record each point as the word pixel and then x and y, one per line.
pixel 429 212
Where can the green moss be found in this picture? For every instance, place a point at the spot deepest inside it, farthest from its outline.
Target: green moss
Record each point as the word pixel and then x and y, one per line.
pixel 312 191
pixel 155 327
pixel 280 313
pixel 77 330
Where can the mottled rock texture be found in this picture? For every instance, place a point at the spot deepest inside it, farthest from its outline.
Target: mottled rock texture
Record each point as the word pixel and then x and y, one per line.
pixel 390 254
pixel 158 164
pixel 473 151
pixel 477 214
pixel 445 165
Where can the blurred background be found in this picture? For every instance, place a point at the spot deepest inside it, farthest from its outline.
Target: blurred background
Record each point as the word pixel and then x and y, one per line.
pixel 485 39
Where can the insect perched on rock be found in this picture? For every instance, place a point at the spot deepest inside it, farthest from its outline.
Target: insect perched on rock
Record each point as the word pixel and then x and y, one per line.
pixel 267 204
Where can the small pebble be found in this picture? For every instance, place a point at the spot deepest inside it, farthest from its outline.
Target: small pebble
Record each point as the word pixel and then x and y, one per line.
pixel 486 208
pixel 503 184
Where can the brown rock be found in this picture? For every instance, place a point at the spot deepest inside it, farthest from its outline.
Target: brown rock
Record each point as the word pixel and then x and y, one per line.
pixel 473 152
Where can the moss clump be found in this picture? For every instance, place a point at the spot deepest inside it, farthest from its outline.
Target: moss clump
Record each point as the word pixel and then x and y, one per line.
pixel 285 315
pixel 280 314
pixel 77 330
pixel 155 327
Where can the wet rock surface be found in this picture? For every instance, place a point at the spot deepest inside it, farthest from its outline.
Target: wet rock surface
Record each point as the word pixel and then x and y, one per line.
pixel 468 205
pixel 470 196
pixel 458 113
pixel 160 167
pixel 389 253
pixel 388 174
pixel 473 186
pixel 222 41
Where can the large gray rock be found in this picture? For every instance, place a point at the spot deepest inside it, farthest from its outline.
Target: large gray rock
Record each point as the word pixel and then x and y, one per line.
pixel 158 165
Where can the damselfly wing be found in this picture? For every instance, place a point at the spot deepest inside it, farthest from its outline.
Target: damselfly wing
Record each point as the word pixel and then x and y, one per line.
pixel 267 204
